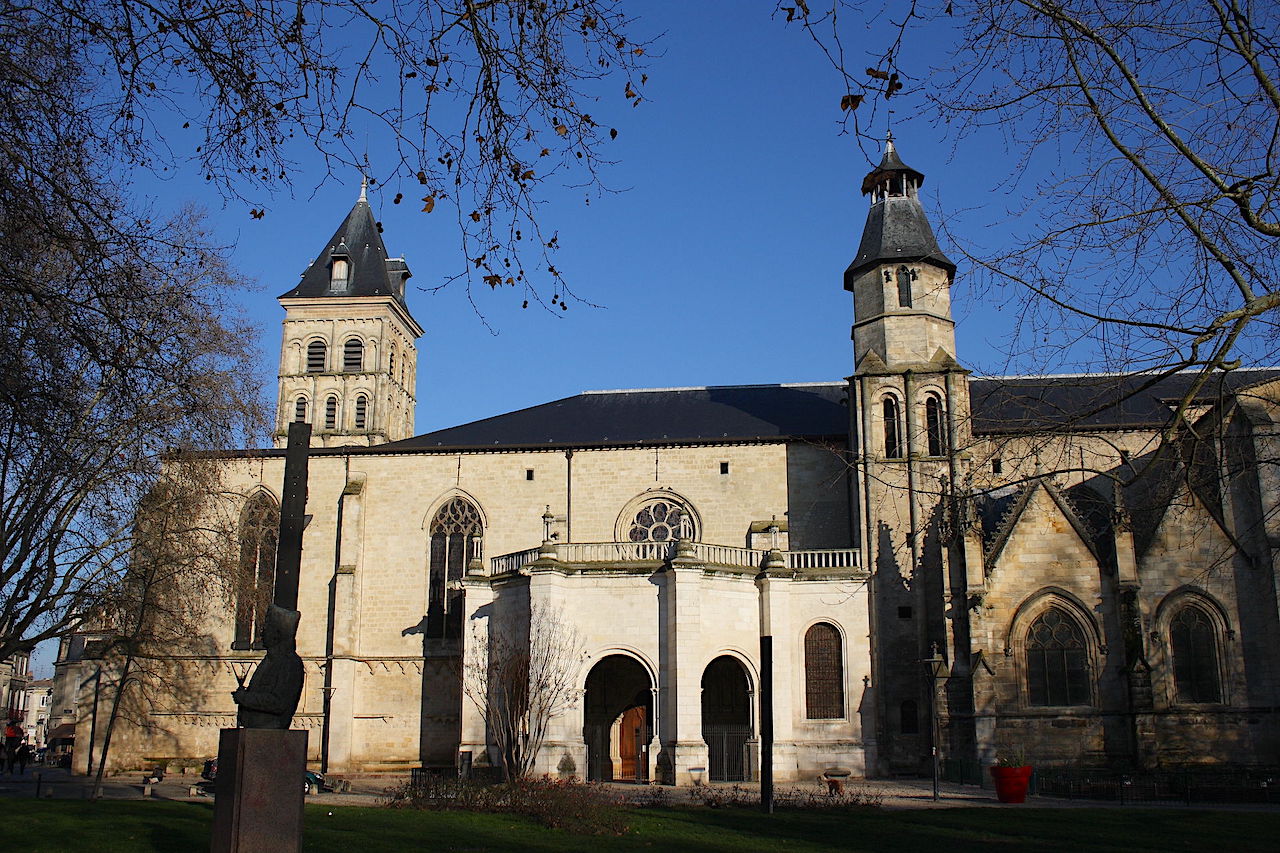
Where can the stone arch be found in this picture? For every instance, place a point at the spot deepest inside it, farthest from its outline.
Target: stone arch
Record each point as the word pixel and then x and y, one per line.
pixel 618 718
pixel 728 719
pixel 631 512
pixel 454 539
pixel 893 435
pixel 1184 676
pixel 1054 603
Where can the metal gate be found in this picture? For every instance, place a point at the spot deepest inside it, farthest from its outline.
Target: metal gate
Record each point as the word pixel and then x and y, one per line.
pixel 727 746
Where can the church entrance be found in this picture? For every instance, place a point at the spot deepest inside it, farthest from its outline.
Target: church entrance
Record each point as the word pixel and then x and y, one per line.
pixel 618 720
pixel 726 719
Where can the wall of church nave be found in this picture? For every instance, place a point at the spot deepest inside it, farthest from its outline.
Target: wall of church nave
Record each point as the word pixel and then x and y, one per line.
pixel 818 488
pixel 1070 457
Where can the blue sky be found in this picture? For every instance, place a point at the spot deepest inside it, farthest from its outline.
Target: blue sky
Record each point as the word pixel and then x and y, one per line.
pixel 719 263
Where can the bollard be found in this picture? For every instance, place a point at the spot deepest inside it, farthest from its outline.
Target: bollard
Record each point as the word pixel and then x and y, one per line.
pixel 38 784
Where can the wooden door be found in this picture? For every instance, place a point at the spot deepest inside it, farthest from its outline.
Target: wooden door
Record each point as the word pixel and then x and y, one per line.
pixel 633 743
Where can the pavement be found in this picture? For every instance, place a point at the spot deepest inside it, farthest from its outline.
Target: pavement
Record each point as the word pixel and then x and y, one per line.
pixel 369 789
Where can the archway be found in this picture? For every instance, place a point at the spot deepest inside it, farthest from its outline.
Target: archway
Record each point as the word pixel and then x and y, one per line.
pixel 618 720
pixel 726 719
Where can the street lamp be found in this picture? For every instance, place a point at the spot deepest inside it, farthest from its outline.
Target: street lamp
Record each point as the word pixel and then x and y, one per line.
pixel 936 667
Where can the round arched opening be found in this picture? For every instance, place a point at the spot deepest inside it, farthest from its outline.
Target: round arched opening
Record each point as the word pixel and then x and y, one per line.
pixel 618 720
pixel 726 719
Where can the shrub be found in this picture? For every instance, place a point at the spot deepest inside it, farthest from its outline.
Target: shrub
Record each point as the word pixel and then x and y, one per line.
pixel 798 799
pixel 582 809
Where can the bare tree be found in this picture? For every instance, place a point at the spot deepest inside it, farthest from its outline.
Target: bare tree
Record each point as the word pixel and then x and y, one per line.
pixel 1156 232
pixel 485 104
pixel 519 682
pixel 184 563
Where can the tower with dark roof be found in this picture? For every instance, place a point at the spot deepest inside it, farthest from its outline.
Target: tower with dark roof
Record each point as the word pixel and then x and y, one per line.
pixel 348 358
pixel 900 279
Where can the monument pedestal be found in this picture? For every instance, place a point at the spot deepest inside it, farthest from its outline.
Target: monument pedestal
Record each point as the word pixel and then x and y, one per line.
pixel 260 791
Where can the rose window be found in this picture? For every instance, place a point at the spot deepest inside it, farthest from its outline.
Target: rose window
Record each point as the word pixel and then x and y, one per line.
pixel 660 521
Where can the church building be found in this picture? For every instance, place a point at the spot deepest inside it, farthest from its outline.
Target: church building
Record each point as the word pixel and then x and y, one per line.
pixel 863 567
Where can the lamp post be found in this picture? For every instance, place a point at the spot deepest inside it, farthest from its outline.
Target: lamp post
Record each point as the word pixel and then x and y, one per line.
pixel 936 667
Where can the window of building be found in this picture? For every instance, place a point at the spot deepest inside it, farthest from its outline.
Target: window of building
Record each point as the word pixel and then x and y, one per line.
pixel 331 413
pixel 456 534
pixel 316 356
pixel 256 579
pixel 340 272
pixel 724 467
pixel 904 287
pixel 353 356
pixel 661 520
pixel 823 673
pixel 1057 661
pixel 997 466
pixel 909 718
pixel 528 473
pixel 392 365
pixel 300 410
pixel 935 426
pixel 362 412
pixel 1193 641
pixel 892 429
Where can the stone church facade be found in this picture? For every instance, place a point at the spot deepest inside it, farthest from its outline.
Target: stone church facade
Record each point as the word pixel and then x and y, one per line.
pixel 1013 563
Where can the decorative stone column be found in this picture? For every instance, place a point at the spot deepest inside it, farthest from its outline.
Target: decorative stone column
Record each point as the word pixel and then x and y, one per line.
pixel 680 688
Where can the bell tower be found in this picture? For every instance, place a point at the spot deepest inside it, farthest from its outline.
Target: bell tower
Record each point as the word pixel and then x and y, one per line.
pixel 900 279
pixel 348 355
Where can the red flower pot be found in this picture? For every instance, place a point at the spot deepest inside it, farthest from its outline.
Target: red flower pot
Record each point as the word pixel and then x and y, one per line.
pixel 1011 783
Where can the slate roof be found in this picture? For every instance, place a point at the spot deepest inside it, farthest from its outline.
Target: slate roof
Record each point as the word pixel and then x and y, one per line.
pixel 897 228
pixel 735 413
pixel 372 272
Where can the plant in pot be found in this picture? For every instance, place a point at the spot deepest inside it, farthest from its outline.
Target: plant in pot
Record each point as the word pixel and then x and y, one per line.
pixel 1012 775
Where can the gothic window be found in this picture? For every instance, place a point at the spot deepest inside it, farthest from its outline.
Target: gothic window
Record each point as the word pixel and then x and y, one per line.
pixel 892 429
pixel 331 413
pixel 300 410
pixel 353 356
pixel 661 520
pixel 1057 666
pixel 455 541
pixel 392 365
pixel 823 673
pixel 935 425
pixel 362 412
pixel 909 718
pixel 341 270
pixel 316 356
pixel 256 579
pixel 1192 638
pixel 904 287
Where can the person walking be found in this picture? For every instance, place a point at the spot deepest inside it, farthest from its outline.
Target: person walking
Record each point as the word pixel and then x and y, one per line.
pixel 12 739
pixel 23 755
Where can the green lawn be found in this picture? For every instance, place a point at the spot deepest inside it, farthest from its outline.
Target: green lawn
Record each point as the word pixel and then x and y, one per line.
pixel 44 826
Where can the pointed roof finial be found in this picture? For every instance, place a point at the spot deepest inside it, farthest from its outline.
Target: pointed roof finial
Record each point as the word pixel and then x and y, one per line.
pixel 364 189
pixel 888 141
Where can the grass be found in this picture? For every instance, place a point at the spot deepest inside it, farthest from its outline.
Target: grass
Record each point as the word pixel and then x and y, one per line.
pixel 44 826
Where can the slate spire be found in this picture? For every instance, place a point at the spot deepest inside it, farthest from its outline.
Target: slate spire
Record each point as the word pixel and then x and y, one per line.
pixel 897 228
pixel 368 269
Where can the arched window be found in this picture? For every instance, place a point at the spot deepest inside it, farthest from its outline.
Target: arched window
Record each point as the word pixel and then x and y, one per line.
pixel 661 520
pixel 823 673
pixel 456 533
pixel 1057 661
pixel 935 426
pixel 362 412
pixel 909 718
pixel 340 272
pixel 1193 641
pixel 316 356
pixel 904 287
pixel 300 410
pixel 353 356
pixel 892 429
pixel 392 365
pixel 256 579
pixel 331 413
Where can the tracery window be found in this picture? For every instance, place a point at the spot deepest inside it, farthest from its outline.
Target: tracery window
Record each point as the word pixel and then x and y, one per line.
pixel 331 413
pixel 353 356
pixel 1193 640
pixel 362 412
pixel 904 287
pixel 1057 661
pixel 661 520
pixel 935 425
pixel 256 579
pixel 892 429
pixel 316 356
pixel 823 673
pixel 456 533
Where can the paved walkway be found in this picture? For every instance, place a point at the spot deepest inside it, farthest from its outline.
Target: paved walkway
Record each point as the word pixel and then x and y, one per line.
pixel 367 790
